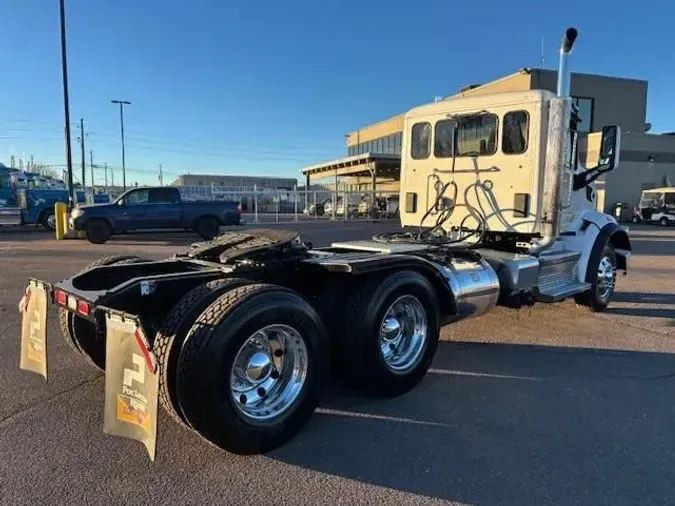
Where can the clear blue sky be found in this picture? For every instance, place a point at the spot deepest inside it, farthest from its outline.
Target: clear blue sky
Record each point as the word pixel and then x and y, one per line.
pixel 267 87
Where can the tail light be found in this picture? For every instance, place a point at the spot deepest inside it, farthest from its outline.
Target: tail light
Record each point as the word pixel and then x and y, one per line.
pixel 83 308
pixel 61 297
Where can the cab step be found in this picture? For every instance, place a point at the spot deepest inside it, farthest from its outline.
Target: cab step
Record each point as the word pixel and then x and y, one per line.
pixel 558 277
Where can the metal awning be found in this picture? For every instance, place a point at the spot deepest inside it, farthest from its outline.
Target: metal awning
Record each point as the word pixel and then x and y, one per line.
pixel 358 165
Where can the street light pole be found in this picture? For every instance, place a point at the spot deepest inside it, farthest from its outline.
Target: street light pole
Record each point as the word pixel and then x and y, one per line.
pixel 122 103
pixel 66 106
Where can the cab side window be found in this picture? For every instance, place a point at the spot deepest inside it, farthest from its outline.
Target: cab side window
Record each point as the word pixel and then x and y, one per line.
pixel 420 146
pixel 163 196
pixel 137 197
pixel 516 132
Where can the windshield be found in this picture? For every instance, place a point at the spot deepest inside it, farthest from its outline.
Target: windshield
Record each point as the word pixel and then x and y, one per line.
pixel 651 200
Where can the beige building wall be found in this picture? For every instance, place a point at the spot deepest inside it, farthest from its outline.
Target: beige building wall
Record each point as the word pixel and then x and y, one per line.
pixel 234 181
pixel 377 130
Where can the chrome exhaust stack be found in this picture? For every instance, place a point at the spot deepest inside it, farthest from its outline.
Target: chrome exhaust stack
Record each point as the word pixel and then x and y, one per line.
pixel 557 149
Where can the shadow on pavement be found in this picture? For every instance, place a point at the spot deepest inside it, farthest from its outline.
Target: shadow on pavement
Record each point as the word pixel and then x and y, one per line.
pixel 641 311
pixel 644 298
pixel 509 424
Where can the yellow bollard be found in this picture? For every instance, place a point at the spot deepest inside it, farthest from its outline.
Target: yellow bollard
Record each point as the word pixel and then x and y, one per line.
pixel 61 215
pixel 62 230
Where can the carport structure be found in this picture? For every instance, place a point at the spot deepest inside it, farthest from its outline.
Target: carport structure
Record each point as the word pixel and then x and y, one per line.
pixel 376 166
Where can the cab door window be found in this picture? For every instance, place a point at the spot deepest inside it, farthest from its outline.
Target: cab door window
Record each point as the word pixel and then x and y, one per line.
pixel 516 132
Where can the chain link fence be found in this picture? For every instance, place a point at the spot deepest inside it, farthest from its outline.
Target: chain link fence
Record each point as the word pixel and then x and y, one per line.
pixel 273 206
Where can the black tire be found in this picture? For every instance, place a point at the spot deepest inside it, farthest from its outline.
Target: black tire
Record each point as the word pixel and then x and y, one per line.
pixel 48 220
pixel 97 231
pixel 361 360
pixel 81 334
pixel 171 335
pixel 664 222
pixel 209 351
pixel 207 227
pixel 592 299
pixel 635 218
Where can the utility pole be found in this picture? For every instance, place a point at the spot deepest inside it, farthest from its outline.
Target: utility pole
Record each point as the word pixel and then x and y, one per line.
pixel 91 165
pixel 105 169
pixel 112 176
pixel 122 103
pixel 81 139
pixel 161 176
pixel 66 107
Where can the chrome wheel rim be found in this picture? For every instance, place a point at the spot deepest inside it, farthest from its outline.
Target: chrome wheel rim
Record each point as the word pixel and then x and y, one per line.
pixel 269 372
pixel 403 334
pixel 51 221
pixel 606 278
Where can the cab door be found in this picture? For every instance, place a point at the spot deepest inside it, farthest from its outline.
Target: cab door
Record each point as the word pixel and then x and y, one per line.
pixel 165 209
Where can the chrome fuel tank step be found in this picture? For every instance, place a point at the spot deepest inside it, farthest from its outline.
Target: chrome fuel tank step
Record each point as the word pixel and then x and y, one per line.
pixel 558 277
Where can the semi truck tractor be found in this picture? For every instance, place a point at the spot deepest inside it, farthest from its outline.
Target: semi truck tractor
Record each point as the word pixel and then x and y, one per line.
pixel 236 336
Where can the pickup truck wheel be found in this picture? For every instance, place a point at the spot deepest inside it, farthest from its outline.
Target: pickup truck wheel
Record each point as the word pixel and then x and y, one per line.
pixel 390 334
pixel 252 368
pixel 207 227
pixel 602 276
pixel 97 231
pixel 81 334
pixel 171 335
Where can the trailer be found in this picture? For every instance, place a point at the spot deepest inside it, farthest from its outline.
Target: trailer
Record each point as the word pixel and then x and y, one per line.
pixel 236 336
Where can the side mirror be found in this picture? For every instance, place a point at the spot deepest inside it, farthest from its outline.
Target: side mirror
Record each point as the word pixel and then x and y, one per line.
pixel 120 202
pixel 610 145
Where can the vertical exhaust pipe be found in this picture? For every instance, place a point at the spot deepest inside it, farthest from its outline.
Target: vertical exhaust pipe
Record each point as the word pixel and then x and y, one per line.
pixel 557 147
pixel 565 49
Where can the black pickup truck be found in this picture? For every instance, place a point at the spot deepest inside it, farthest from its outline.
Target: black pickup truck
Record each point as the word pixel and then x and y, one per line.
pixel 151 208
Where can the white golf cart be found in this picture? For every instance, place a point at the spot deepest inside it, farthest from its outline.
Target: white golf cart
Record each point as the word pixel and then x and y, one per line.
pixel 656 206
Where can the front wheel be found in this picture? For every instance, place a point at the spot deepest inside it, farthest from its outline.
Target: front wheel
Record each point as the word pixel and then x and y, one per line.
pixel 664 222
pixel 251 370
pixel 601 274
pixel 97 231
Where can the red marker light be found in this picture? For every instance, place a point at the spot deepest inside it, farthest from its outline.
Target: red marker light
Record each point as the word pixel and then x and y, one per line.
pixel 83 307
pixel 61 297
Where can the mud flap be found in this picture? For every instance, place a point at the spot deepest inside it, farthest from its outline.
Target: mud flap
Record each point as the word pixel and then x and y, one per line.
pixel 131 381
pixel 33 306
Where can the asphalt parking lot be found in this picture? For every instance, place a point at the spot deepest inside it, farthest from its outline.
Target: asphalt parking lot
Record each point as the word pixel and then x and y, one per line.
pixel 531 407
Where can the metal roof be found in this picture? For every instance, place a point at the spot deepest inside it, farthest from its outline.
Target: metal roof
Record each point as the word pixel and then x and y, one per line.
pixel 379 159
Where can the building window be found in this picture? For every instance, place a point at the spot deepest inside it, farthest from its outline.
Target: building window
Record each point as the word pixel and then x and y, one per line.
pixel 516 131
pixel 421 141
pixel 585 110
